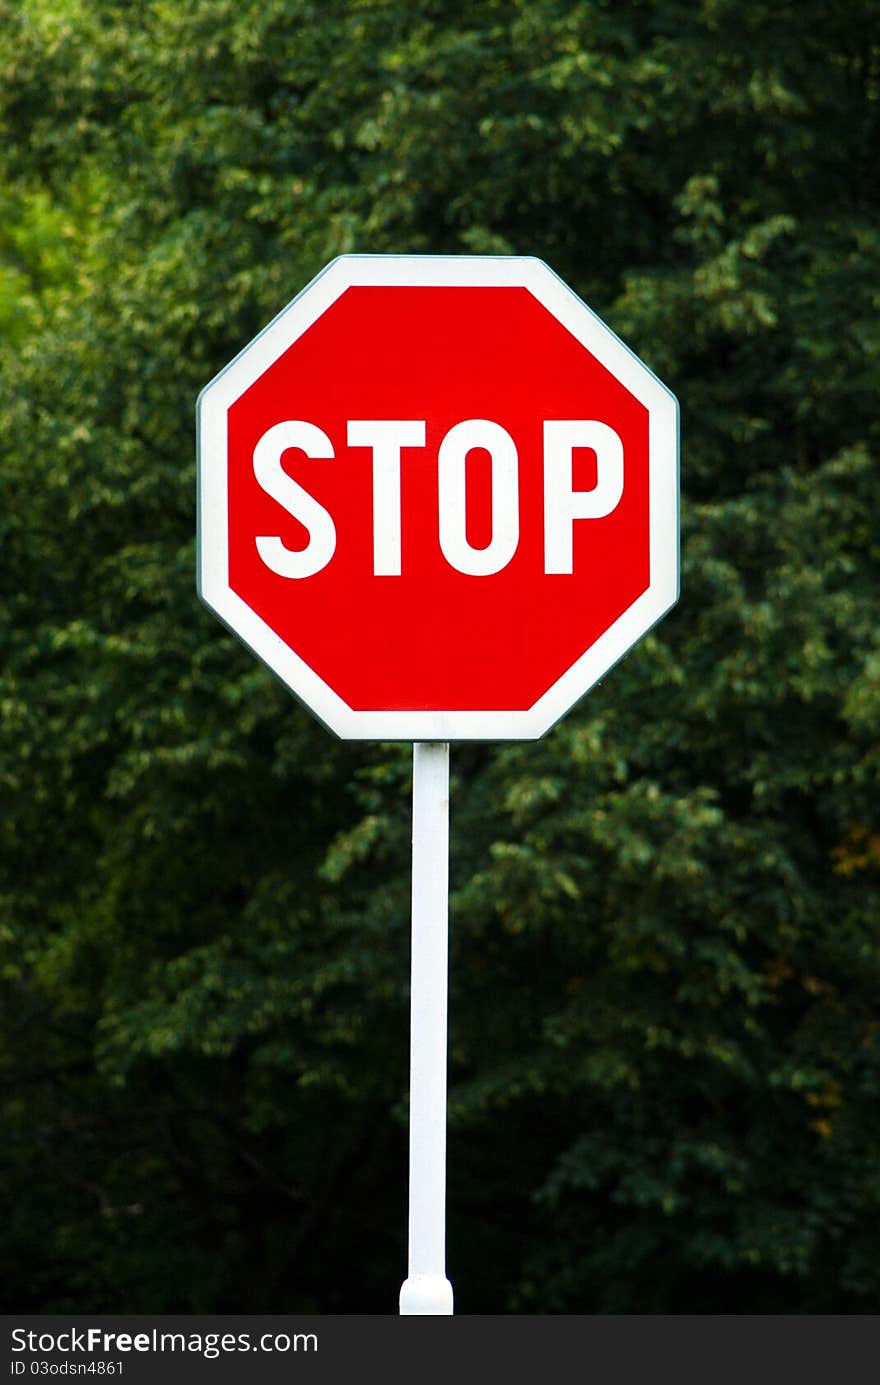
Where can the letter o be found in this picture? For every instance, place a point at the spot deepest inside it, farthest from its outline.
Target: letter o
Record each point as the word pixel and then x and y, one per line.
pixel 452 494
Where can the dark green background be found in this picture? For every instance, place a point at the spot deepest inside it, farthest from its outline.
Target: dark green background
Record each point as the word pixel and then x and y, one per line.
pixel 665 953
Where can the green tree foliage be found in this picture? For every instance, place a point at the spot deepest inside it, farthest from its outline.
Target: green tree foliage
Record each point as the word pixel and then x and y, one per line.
pixel 665 1033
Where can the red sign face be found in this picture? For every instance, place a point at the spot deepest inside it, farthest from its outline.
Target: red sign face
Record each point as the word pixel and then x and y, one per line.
pixel 438 497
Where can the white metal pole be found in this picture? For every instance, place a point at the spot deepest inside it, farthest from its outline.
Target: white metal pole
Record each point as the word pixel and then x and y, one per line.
pixel 426 1288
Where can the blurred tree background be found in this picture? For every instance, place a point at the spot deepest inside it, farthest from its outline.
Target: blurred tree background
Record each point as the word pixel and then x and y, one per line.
pixel 665 950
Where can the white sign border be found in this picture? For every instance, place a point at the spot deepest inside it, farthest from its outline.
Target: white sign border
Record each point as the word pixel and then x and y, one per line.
pixel 517 271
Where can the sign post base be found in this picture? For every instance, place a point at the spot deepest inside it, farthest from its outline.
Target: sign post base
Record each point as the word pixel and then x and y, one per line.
pixel 426 1294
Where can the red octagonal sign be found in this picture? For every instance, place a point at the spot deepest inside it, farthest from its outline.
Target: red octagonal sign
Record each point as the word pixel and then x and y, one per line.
pixel 438 497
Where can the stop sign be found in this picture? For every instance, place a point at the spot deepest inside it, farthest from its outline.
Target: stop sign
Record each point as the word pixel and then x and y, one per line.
pixel 438 497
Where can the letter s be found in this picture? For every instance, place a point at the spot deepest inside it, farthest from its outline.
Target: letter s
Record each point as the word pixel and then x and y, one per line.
pixel 274 480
